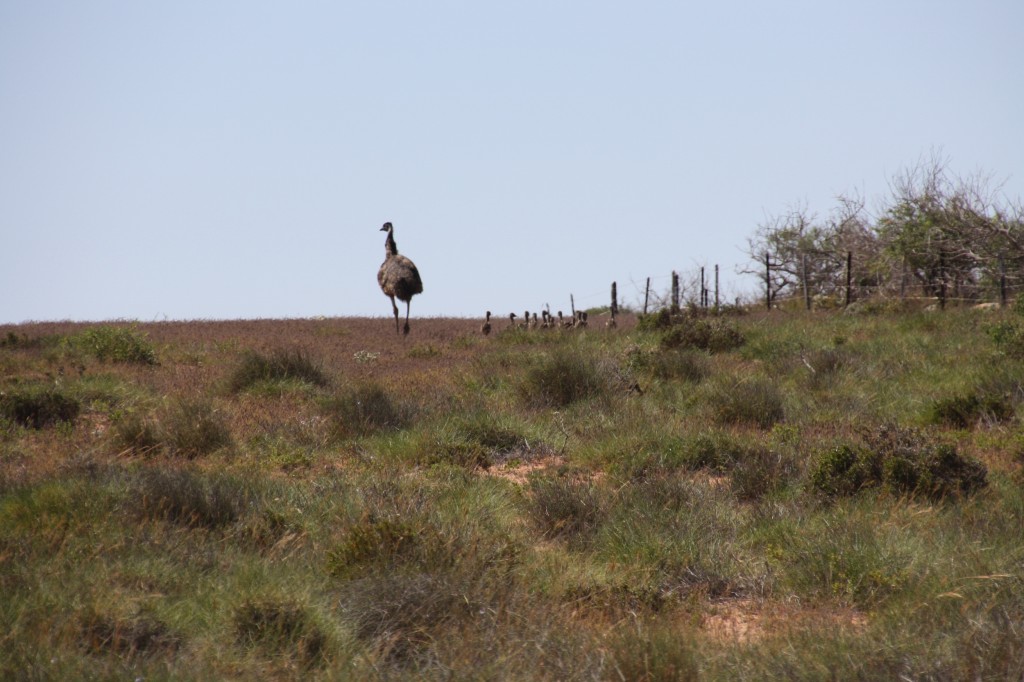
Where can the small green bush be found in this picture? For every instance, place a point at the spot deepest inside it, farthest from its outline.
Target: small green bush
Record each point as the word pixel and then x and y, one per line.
pixel 37 406
pixel 757 402
pixel 115 344
pixel 562 379
pixel 1008 337
pixel 364 409
pixel 280 365
pixel 905 461
pixel 710 334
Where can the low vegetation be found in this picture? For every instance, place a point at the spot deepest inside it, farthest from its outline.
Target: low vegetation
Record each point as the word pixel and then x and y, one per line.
pixel 762 496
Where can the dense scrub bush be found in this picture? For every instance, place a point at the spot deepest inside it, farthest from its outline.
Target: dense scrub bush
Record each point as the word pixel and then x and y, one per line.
pixel 965 411
pixel 363 410
pixel 714 335
pixel 562 379
pixel 192 428
pixel 37 406
pixel 905 461
pixel 280 628
pixel 280 365
pixel 757 402
pixel 114 344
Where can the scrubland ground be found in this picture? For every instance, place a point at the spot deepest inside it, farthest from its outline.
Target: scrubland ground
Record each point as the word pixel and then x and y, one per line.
pixel 783 496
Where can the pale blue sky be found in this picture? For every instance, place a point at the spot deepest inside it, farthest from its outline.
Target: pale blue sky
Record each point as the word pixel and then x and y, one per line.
pixel 213 159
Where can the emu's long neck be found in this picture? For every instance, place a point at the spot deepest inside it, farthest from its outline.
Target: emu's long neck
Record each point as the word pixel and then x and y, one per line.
pixel 390 247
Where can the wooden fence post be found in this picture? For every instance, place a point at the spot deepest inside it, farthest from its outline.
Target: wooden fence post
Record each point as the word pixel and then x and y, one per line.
pixel 615 298
pixel 716 289
pixel 767 281
pixel 647 294
pixel 675 291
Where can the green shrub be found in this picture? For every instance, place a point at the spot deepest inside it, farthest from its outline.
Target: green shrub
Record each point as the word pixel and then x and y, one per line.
pixel 37 406
pixel 280 365
pixel 905 461
pixel 115 344
pixel 844 470
pixel 280 628
pixel 965 411
pixel 710 334
pixel 363 410
pixel 1008 337
pixel 192 428
pixel 562 379
pixel 757 402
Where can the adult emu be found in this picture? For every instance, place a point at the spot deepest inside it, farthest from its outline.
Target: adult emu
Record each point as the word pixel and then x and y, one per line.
pixel 398 277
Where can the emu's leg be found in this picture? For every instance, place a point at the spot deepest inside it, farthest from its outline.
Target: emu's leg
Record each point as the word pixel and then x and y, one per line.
pixel 405 329
pixel 395 309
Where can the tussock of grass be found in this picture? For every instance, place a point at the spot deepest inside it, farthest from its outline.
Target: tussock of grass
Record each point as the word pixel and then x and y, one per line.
pixel 193 428
pixel 280 629
pixel 562 378
pixel 365 409
pixel 190 499
pixel 279 366
pixel 757 402
pixel 566 508
pixel 126 637
pixel 964 411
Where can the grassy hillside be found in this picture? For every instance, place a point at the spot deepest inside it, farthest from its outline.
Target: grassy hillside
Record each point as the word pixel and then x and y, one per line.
pixel 787 495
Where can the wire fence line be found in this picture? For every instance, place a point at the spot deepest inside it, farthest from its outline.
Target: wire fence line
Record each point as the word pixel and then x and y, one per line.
pixel 994 281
